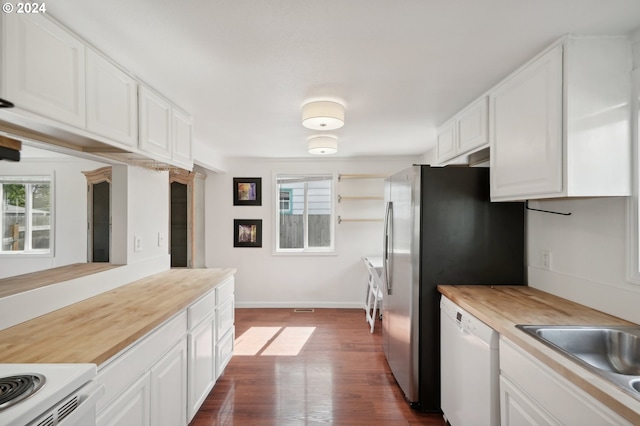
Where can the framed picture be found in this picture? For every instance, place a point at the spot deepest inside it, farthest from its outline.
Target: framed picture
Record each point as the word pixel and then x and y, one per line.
pixel 247 232
pixel 247 191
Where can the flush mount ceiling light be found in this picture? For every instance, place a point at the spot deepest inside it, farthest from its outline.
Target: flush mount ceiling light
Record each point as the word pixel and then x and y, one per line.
pixel 323 145
pixel 322 115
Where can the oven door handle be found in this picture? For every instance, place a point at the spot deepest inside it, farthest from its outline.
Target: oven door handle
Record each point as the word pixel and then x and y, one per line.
pixel 88 395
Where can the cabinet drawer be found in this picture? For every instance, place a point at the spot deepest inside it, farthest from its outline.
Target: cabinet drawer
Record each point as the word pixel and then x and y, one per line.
pixel 224 352
pixel 201 309
pixel 121 370
pixel 224 291
pixel 224 317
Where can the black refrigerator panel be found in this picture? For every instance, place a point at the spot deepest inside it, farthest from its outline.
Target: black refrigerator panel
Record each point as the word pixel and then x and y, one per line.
pixel 465 239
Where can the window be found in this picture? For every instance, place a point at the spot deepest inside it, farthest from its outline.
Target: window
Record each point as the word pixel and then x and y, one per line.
pixel 285 201
pixel 26 214
pixel 305 213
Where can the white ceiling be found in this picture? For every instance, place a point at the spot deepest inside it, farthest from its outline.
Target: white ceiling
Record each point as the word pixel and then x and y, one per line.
pixel 244 68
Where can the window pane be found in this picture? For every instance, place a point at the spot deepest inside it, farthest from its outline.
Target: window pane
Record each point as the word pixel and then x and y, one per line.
pixel 13 216
pixel 319 202
pixel 291 215
pixel 40 216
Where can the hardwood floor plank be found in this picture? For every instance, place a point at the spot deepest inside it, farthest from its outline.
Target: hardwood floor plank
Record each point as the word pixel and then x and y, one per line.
pixel 339 376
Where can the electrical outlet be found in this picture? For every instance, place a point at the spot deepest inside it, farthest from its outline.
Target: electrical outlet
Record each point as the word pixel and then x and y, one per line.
pixel 137 244
pixel 545 259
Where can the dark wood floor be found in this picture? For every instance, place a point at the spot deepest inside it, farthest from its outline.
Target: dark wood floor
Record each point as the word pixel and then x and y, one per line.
pixel 339 376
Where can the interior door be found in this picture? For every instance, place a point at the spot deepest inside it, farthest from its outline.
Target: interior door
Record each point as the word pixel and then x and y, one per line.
pixel 101 222
pixel 179 225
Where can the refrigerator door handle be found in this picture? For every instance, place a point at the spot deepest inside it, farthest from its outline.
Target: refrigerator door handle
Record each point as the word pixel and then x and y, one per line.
pixel 388 241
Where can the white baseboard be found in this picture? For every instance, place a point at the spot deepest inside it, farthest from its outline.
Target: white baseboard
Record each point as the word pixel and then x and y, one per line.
pixel 293 305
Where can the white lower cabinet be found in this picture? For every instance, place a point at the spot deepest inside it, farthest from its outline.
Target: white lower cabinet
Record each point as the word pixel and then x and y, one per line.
pixel 169 388
pixel 164 377
pixel 533 394
pixel 201 363
pixel 131 408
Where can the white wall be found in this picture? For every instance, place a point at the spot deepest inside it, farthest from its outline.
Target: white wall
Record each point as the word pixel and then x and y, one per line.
pixel 588 254
pixel 148 213
pixel 70 217
pixel 267 280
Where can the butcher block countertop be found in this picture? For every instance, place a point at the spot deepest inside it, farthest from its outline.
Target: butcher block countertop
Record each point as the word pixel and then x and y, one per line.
pixel 95 329
pixel 502 307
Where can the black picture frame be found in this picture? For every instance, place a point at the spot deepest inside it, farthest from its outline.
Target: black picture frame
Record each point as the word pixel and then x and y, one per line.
pixel 247 191
pixel 247 232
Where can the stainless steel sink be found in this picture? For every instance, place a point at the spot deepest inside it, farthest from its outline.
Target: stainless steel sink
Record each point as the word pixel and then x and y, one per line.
pixel 612 352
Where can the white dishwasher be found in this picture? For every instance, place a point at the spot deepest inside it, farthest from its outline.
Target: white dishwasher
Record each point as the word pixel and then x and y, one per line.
pixel 469 368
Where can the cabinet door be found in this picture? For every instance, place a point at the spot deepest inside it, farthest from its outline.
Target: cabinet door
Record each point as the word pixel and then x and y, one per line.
pixel 526 130
pixel 201 364
pixel 472 126
pixel 446 143
pixel 130 409
pixel 112 101
pixel 43 68
pixel 518 410
pixel 182 153
pixel 224 351
pixel 155 123
pixel 169 388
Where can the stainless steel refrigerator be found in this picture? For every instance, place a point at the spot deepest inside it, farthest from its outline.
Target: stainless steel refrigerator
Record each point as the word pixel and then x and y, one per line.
pixel 440 228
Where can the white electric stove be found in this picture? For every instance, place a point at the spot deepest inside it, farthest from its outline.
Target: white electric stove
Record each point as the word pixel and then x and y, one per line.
pixel 48 394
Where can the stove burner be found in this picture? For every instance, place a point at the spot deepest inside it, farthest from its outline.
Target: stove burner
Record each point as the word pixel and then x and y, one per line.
pixel 14 389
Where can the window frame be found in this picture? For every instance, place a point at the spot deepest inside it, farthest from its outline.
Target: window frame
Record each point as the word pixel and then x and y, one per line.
pixel 306 250
pixel 31 180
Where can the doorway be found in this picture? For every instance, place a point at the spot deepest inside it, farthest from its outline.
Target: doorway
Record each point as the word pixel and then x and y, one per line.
pixel 99 215
pixel 179 225
pixel 101 224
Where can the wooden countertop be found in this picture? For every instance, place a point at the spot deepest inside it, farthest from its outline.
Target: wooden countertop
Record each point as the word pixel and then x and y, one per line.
pixel 94 330
pixel 502 307
pixel 33 280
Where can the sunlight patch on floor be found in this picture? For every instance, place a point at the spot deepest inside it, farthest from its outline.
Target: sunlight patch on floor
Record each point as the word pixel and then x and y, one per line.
pixel 254 339
pixel 290 341
pixel 272 341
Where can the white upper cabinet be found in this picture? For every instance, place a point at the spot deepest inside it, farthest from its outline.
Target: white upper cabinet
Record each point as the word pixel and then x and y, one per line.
pixel 446 144
pixel 472 126
pixel 182 150
pixel 559 126
pixel 464 133
pixel 526 129
pixel 43 68
pixel 155 123
pixel 112 100
pixel 165 130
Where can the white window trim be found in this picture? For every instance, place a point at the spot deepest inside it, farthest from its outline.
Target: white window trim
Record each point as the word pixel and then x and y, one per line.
pixel 633 204
pixel 329 251
pixel 38 252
